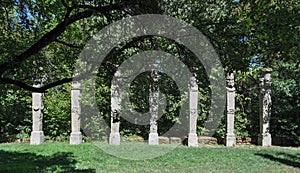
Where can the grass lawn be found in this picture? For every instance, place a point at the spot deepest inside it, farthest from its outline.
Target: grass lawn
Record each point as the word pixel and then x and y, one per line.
pixel 87 157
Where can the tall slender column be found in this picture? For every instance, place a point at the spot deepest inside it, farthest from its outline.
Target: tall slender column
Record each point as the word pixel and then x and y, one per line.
pixel 37 134
pixel 76 136
pixel 230 102
pixel 154 102
pixel 114 137
pixel 193 109
pixel 265 103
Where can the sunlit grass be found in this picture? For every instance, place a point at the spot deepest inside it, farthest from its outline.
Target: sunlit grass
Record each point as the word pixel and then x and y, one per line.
pixel 89 157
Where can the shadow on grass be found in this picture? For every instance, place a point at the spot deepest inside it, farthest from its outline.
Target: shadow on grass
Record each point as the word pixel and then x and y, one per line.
pixel 284 158
pixel 31 162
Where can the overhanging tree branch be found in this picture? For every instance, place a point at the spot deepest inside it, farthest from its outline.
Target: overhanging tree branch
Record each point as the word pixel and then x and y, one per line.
pixel 43 88
pixel 54 33
pixel 45 40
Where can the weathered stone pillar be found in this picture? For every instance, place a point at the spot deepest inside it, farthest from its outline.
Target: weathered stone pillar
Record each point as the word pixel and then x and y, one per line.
pixel 265 103
pixel 230 102
pixel 37 134
pixel 153 103
pixel 76 136
pixel 114 137
pixel 193 109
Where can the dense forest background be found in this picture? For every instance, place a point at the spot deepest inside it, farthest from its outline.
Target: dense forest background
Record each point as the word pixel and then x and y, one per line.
pixel 40 42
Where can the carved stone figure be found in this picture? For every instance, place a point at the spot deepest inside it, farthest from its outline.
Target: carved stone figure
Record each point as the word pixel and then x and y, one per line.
pixel 230 102
pixel 230 80
pixel 37 134
pixel 153 103
pixel 265 101
pixel 114 137
pixel 193 109
pixel 76 136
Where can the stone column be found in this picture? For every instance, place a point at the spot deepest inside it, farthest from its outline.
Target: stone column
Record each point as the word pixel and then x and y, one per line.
pixel 193 109
pixel 76 136
pixel 114 137
pixel 153 103
pixel 230 102
pixel 37 134
pixel 264 138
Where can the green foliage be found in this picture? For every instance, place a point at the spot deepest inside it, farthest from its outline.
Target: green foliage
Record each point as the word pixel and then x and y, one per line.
pixel 15 114
pixel 57 113
pixel 286 118
pixel 93 115
pixel 247 103
pixel 247 36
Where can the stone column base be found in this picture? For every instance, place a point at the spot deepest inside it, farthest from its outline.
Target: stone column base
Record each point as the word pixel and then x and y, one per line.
pixel 153 139
pixel 193 140
pixel 75 138
pixel 265 139
pixel 114 138
pixel 37 137
pixel 230 140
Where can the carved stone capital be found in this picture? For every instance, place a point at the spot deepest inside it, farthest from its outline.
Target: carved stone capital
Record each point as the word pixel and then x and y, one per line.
pixel 266 73
pixel 76 85
pixel 193 84
pixel 230 80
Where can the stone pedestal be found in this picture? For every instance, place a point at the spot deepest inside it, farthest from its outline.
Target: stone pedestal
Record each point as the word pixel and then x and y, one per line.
pixel 114 137
pixel 193 109
pixel 230 140
pixel 153 139
pixel 193 140
pixel 37 137
pixel 37 134
pixel 264 138
pixel 76 136
pixel 153 103
pixel 230 102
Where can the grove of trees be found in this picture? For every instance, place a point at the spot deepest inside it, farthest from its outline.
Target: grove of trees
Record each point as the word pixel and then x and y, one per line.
pixel 40 42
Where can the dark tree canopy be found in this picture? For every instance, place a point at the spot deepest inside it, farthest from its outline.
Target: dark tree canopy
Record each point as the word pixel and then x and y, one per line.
pixel 46 37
